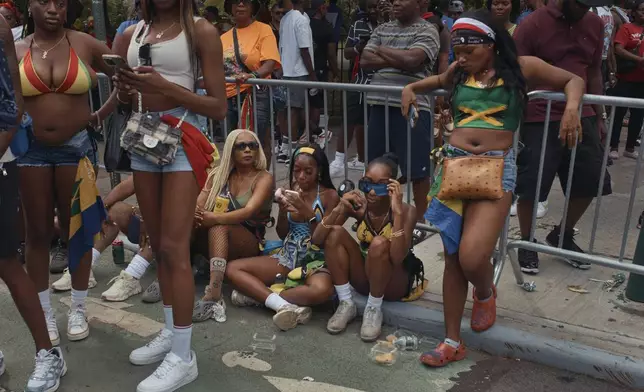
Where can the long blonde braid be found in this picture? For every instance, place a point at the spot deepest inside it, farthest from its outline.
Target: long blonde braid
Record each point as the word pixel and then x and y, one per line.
pixel 218 177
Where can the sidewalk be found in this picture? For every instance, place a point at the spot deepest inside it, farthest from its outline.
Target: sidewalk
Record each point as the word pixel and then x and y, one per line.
pixel 597 333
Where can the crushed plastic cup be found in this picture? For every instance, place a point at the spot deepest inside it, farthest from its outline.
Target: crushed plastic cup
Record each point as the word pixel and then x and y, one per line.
pixel 263 342
pixel 384 353
pixel 404 340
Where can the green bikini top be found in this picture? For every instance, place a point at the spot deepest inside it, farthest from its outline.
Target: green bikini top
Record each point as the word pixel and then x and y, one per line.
pixel 486 107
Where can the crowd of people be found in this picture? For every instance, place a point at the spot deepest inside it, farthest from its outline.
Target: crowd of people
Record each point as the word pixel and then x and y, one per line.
pixel 172 79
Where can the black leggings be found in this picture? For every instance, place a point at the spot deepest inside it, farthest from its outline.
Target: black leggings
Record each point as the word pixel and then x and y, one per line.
pixel 627 90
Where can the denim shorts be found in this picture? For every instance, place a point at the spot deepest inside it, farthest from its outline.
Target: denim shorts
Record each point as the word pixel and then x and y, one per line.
pixel 509 164
pixel 180 163
pixel 67 154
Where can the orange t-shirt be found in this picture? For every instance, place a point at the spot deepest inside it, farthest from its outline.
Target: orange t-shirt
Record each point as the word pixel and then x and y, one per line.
pixel 256 44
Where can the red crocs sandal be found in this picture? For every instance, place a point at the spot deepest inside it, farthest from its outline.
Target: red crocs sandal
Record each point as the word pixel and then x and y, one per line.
pixel 443 355
pixel 483 313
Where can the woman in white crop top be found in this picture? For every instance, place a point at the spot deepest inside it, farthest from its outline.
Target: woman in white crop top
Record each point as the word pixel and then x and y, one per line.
pixel 169 49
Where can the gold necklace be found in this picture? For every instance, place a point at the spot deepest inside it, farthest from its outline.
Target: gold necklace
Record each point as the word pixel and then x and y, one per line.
pixel 45 52
pixel 160 35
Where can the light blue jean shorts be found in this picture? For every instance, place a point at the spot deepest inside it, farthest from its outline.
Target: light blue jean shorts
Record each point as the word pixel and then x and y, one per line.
pixel 180 163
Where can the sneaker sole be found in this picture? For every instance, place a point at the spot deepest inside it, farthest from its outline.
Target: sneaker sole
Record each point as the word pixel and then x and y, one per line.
pixel 187 380
pixel 149 300
pixel 55 342
pixel 286 320
pixel 79 337
pixel 369 339
pixel 148 360
pixel 531 271
pixel 121 298
pixel 305 316
pixel 339 331
pixel 57 385
pixel 573 263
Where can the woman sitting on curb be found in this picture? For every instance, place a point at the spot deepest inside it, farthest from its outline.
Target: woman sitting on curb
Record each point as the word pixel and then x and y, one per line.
pixel 381 263
pixel 300 212
pixel 232 212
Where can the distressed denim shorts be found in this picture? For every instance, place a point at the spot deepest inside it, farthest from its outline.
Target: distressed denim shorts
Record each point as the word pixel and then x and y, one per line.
pixel 180 163
pixel 66 154
pixel 509 163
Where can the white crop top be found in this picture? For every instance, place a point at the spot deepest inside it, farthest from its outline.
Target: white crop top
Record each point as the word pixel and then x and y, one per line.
pixel 171 59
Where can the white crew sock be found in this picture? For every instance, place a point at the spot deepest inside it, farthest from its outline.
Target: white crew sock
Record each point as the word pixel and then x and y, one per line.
pixel 375 302
pixel 45 300
pixel 339 157
pixel 169 320
pixel 137 267
pixel 344 292
pixel 78 298
pixel 181 337
pixel 96 255
pixel 275 302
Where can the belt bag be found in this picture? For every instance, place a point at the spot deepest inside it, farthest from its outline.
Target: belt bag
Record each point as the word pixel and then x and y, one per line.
pixel 476 177
pixel 148 137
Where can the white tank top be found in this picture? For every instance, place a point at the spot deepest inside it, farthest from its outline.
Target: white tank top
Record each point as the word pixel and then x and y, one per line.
pixel 171 59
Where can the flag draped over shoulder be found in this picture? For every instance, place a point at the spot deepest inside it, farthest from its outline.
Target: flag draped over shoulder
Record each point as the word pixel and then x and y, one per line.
pixel 87 213
pixel 445 215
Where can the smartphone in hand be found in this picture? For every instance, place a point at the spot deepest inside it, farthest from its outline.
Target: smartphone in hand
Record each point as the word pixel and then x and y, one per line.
pixel 115 61
pixel 413 116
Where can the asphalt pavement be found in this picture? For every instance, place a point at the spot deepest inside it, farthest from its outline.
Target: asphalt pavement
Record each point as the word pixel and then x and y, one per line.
pixel 305 359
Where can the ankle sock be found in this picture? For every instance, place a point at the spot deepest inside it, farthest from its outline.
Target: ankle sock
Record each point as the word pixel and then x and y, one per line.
pixel 275 302
pixel 344 292
pixel 452 343
pixel 181 337
pixel 45 300
pixel 375 302
pixel 96 255
pixel 137 267
pixel 169 320
pixel 78 298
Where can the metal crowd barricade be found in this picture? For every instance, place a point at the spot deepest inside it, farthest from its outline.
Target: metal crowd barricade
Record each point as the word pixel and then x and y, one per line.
pixel 512 245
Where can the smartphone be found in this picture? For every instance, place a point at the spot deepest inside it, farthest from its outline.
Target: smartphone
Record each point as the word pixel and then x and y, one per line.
pixel 292 193
pixel 413 116
pixel 115 61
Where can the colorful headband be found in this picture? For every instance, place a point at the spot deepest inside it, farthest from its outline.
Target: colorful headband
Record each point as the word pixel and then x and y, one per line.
pixel 305 150
pixel 469 31
pixel 9 6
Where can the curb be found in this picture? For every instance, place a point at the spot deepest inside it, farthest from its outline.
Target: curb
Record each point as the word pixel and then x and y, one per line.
pixel 504 341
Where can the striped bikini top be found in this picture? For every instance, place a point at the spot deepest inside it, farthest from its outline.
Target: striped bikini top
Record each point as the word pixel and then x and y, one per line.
pixel 78 79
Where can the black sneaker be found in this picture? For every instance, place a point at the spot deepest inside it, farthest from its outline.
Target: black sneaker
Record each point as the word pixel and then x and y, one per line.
pixel 283 158
pixel 568 244
pixel 529 261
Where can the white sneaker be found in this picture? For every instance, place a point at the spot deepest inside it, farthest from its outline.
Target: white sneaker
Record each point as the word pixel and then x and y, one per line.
pixel 241 300
pixel 154 351
pixel 355 164
pixel 65 281
pixel 371 324
pixel 614 155
pixel 289 316
pixel 542 209
pixel 337 168
pixel 124 286
pixel 345 313
pixel 52 327
pixel 2 365
pixel 50 367
pixel 77 327
pixel 631 154
pixel 172 374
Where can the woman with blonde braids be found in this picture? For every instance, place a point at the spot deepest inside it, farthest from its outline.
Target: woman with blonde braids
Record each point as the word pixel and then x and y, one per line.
pixel 231 216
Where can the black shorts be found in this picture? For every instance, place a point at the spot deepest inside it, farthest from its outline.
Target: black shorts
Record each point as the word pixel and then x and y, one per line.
pixel 9 201
pixel 587 168
pixel 420 140
pixel 317 101
pixel 355 109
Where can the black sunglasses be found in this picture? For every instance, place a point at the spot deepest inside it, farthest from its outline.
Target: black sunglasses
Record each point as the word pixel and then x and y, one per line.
pixel 253 146
pixel 144 55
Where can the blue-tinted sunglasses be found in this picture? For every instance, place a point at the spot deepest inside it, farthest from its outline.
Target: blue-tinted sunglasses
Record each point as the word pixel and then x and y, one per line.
pixel 367 186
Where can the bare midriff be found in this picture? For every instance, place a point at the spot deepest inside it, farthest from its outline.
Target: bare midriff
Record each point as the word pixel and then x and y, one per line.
pixel 478 141
pixel 58 117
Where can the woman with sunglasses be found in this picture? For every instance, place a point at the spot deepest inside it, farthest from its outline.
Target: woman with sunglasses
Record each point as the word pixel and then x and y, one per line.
pixel 488 85
pixel 57 74
pixel 169 49
pixel 381 263
pixel 301 210
pixel 232 212
pixel 250 51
